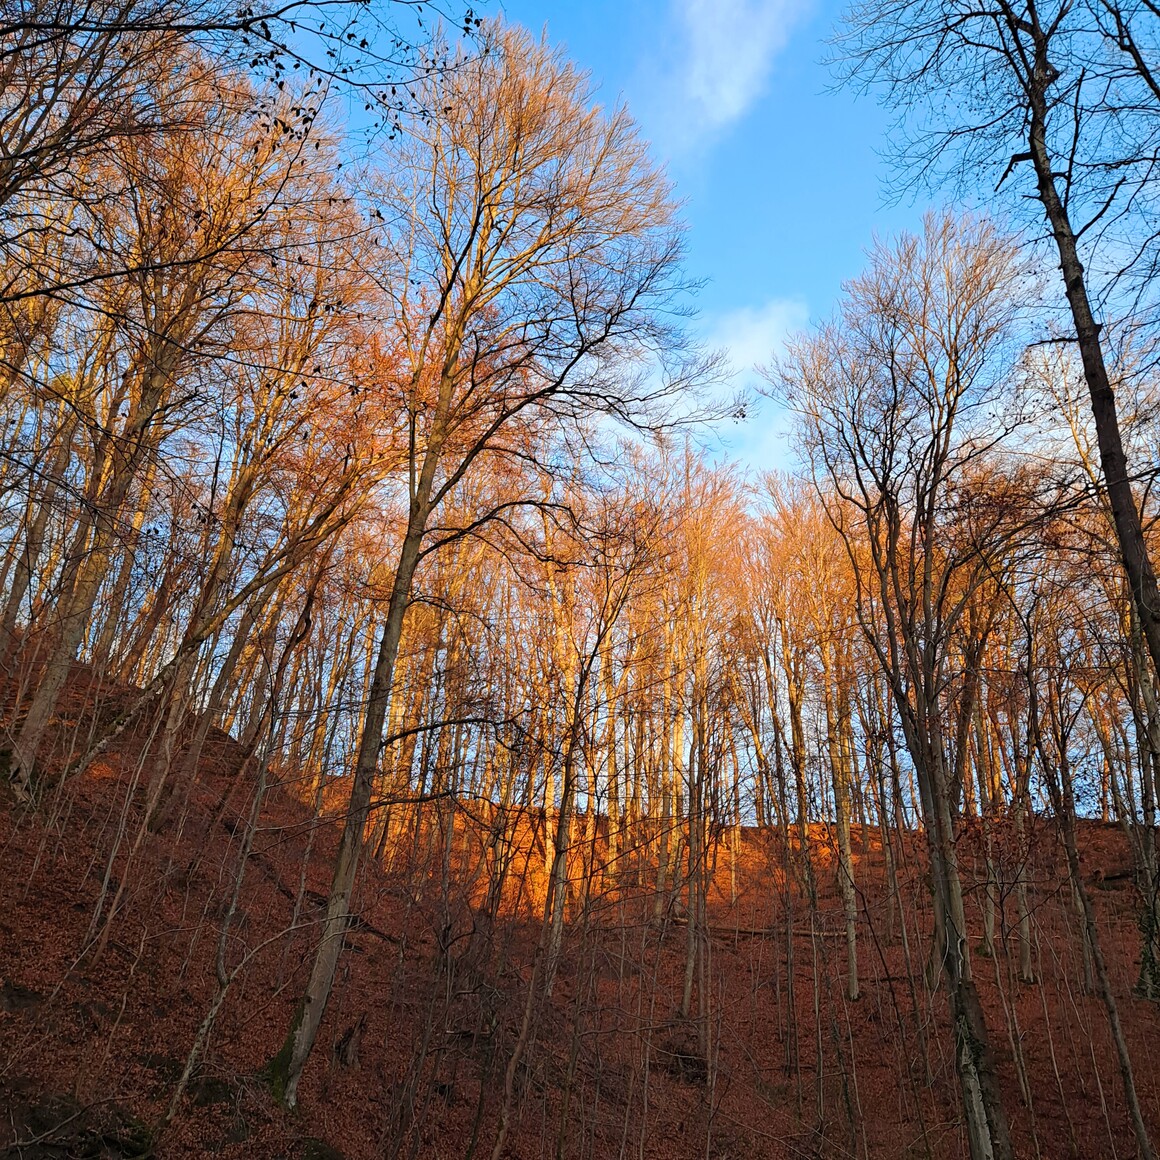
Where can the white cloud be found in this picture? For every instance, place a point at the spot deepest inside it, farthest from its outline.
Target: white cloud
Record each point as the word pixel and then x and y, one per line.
pixel 716 65
pixel 751 337
pixel 731 46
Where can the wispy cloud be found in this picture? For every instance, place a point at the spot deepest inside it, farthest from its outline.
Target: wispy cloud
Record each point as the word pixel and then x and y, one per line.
pixel 752 337
pixel 715 65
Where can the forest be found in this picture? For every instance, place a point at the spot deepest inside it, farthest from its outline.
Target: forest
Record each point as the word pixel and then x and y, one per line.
pixel 418 741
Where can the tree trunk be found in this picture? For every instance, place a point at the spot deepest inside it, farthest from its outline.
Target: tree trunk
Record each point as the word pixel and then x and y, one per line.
pixel 1113 461
pixel 286 1067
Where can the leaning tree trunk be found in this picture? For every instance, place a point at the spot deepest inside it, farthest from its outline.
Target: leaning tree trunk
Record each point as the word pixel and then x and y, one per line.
pixel 286 1067
pixel 1057 775
pixel 137 441
pixel 983 1113
pixel 1113 462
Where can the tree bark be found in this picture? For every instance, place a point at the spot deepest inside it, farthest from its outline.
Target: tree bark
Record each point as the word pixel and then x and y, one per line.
pixel 286 1067
pixel 1113 461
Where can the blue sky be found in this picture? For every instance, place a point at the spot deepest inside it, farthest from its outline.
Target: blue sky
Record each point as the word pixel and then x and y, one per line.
pixel 780 174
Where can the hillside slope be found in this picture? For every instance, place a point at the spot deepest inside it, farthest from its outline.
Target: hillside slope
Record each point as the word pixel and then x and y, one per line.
pixel 99 1015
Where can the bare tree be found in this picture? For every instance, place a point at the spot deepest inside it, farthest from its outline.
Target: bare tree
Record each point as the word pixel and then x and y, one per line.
pixel 161 329
pixel 895 401
pixel 1068 88
pixel 536 252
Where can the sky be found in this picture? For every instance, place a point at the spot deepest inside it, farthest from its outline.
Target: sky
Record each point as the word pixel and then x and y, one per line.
pixel 781 172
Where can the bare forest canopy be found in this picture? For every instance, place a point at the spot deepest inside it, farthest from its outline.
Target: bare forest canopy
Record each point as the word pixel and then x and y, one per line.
pixel 414 745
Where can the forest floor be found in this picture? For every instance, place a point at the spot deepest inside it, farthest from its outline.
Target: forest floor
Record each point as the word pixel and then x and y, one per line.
pixel 98 1015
